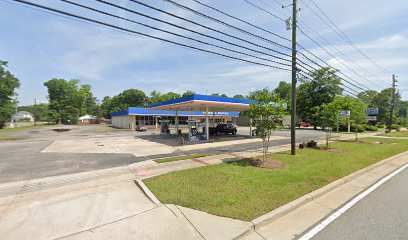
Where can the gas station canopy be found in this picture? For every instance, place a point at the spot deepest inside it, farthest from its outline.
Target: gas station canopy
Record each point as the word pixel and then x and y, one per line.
pixel 198 102
pixel 203 103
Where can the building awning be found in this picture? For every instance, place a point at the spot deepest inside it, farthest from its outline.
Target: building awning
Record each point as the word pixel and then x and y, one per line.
pixel 132 111
pixel 198 102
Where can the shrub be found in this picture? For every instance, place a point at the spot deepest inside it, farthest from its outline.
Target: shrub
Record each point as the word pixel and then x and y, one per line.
pixel 381 125
pixel 358 128
pixel 395 126
pixel 370 128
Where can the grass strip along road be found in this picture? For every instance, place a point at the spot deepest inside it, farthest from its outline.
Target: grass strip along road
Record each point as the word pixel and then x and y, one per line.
pixel 178 158
pixel 395 134
pixel 241 191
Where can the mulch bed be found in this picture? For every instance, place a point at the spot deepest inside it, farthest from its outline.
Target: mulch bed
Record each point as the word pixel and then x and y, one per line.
pixel 269 163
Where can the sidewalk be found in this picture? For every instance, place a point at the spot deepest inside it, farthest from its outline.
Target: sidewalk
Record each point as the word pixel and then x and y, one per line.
pixel 107 204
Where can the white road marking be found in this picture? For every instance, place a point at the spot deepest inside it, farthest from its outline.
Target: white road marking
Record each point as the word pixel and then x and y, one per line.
pixel 346 207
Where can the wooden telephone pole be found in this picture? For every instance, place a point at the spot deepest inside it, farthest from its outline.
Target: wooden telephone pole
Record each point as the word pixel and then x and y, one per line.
pixel 392 102
pixel 294 81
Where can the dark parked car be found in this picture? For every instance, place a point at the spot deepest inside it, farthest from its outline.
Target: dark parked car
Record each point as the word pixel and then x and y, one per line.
pixel 224 128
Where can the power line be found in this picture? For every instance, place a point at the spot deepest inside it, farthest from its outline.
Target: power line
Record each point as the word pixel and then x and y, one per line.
pixel 308 70
pixel 215 30
pixel 268 12
pixel 343 54
pixel 175 34
pixel 246 22
pixel 330 54
pixel 352 70
pixel 342 34
pixel 223 23
pixel 318 57
pixel 141 34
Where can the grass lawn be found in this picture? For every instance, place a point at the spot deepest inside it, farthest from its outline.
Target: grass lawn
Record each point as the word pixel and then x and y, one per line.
pixel 10 130
pixel 395 134
pixel 172 159
pixel 238 190
pixel 8 137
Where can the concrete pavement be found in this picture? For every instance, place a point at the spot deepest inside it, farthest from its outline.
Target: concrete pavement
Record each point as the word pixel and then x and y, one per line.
pixel 35 154
pixel 107 204
pixel 104 204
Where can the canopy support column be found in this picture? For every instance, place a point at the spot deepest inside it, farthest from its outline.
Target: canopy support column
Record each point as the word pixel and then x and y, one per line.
pixel 207 132
pixel 177 122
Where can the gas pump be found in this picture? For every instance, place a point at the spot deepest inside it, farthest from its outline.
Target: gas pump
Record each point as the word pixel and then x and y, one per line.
pixel 193 131
pixel 164 127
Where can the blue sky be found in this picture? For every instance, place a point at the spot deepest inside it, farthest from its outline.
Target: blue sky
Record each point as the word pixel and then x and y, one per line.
pixel 41 46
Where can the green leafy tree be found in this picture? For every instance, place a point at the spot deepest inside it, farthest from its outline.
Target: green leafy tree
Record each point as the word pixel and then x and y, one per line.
pixel 188 93
pixel 105 107
pixel 65 99
pixel 284 92
pixel 368 97
pixel 155 97
pixel 128 98
pixel 382 102
pixel 8 84
pixel 357 107
pixel 88 103
pixel 122 101
pixel 239 96
pixel 321 89
pixel 170 96
pixel 328 114
pixel 259 94
pixel 267 115
pixel 69 100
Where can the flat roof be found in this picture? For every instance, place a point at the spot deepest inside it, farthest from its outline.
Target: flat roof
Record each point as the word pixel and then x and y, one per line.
pixel 197 102
pixel 132 111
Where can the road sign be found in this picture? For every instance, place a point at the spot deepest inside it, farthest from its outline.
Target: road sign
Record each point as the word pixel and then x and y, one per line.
pixel 372 111
pixel 371 118
pixel 344 114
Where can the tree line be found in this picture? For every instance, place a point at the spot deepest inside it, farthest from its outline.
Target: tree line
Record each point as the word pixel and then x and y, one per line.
pixel 322 93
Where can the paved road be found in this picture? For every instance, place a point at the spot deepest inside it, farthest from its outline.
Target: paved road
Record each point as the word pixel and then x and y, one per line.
pixel 381 215
pixel 22 159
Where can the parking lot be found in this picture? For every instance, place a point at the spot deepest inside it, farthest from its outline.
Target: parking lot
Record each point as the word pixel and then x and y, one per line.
pixel 51 150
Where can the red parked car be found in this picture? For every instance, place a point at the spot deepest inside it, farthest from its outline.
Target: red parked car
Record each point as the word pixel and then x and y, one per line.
pixel 304 124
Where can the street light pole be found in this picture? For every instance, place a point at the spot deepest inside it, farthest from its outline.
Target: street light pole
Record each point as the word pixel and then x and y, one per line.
pixel 294 80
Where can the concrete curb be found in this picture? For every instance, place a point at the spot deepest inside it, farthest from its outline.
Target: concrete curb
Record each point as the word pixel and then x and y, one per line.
pixel 273 215
pixel 147 192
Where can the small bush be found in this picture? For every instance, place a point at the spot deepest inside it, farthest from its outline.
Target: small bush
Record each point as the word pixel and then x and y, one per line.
pixel 395 126
pixel 358 128
pixel 380 125
pixel 370 128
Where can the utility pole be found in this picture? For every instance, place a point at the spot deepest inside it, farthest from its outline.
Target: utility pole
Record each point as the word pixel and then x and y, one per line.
pixel 392 103
pixel 294 81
